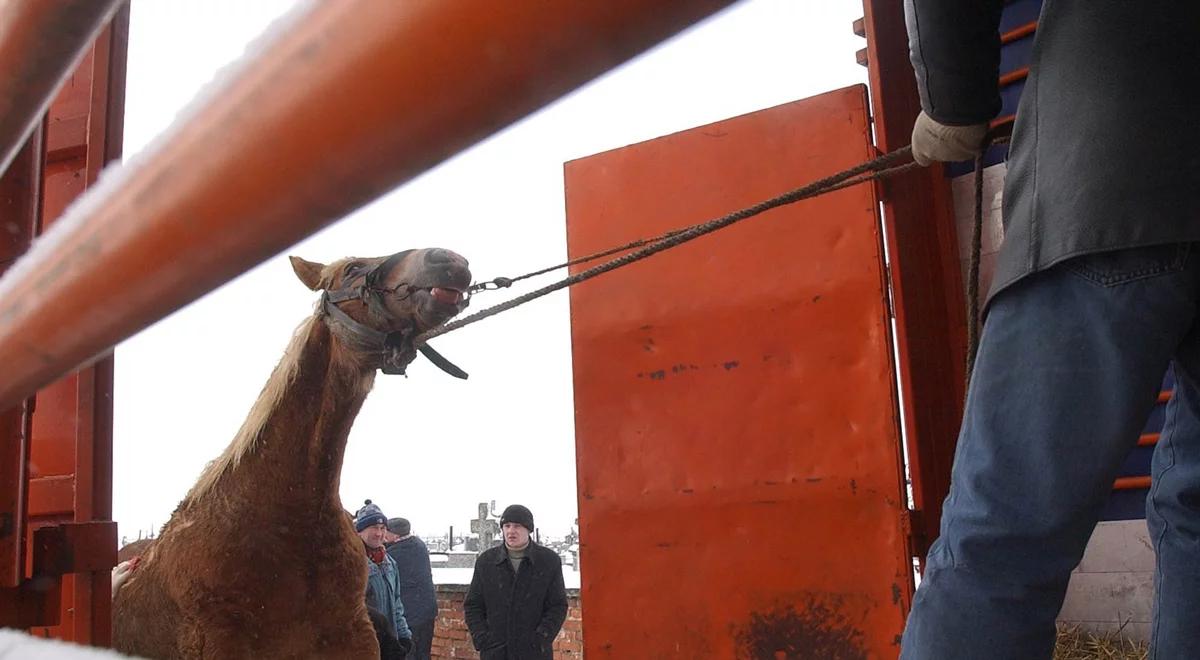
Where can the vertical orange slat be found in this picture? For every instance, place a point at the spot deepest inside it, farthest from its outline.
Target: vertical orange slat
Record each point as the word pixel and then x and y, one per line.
pixel 72 438
pixel 20 209
pixel 925 278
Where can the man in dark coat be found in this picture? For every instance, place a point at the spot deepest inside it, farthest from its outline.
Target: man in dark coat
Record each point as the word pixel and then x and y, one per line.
pixel 517 601
pixel 416 585
pixel 1096 291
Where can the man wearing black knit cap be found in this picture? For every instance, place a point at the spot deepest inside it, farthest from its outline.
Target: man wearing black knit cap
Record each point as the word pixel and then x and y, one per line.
pixel 517 601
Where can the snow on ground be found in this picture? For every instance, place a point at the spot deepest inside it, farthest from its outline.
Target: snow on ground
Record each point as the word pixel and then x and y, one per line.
pixel 463 576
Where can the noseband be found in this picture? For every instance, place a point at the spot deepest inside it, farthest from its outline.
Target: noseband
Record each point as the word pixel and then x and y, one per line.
pixel 388 348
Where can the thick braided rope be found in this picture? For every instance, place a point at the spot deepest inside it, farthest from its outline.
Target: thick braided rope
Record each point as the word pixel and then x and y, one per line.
pixel 875 169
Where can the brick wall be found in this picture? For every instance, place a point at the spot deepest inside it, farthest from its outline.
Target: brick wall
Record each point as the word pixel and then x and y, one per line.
pixel 451 640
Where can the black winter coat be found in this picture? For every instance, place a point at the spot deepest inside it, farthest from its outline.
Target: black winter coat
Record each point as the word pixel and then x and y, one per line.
pixel 390 647
pixel 516 616
pixel 1106 149
pixel 416 580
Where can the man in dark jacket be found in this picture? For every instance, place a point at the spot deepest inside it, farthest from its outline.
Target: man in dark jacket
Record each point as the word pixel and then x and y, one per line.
pixel 517 601
pixel 1096 291
pixel 416 585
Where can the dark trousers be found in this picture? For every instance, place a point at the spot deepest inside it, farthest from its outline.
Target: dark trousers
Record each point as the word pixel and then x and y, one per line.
pixel 422 637
pixel 1070 364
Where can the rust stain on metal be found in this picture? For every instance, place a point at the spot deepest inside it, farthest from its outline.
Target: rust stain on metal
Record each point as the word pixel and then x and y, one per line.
pixel 732 364
pixel 815 631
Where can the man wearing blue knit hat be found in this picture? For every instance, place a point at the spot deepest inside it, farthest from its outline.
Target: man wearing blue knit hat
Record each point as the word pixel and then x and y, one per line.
pixel 383 579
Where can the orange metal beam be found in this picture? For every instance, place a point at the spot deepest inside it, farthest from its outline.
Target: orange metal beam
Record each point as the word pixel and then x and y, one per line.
pixel 1019 32
pixel 1013 76
pixel 924 271
pixel 40 42
pixel 351 101
pixel 1131 483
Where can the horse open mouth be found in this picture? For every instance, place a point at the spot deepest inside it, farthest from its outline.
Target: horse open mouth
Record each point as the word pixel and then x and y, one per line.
pixel 446 296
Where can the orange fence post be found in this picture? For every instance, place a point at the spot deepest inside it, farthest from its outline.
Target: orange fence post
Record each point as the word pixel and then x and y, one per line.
pixel 927 290
pixel 353 100
pixel 20 209
pixel 40 42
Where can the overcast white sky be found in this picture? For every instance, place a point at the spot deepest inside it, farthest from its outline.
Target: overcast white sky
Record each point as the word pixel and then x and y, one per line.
pixel 430 447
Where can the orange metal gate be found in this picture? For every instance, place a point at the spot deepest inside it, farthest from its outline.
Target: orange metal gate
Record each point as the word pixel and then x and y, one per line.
pixel 741 488
pixel 57 541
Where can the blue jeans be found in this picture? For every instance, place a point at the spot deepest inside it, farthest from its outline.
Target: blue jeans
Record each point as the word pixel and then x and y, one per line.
pixel 1070 364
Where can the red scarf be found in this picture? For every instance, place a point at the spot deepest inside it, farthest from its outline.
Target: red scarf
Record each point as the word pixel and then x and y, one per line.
pixel 376 554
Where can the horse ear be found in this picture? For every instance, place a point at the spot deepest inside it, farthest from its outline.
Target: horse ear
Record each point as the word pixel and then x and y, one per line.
pixel 309 272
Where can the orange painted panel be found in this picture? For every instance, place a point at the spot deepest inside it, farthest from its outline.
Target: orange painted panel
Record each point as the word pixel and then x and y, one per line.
pixel 740 479
pixel 70 456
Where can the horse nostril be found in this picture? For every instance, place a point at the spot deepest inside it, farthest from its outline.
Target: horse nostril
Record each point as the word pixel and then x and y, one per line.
pixel 438 256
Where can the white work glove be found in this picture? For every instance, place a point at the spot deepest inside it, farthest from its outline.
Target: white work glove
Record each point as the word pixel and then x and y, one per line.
pixel 121 573
pixel 934 141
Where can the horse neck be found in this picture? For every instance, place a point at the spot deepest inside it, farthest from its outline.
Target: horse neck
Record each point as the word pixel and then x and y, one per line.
pixel 293 442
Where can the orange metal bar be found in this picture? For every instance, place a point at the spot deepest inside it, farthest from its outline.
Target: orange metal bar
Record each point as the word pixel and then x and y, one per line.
pixel 353 100
pixel 1013 76
pixel 40 42
pixel 1018 33
pixel 1003 121
pixel 1131 483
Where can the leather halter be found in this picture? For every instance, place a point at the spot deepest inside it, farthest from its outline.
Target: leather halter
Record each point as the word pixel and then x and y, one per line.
pixel 387 348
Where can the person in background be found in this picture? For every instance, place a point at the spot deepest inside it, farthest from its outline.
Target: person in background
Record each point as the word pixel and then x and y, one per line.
pixel 416 585
pixel 517 600
pixel 383 580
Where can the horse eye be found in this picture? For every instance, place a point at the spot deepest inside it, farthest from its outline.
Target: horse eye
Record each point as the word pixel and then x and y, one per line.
pixel 352 270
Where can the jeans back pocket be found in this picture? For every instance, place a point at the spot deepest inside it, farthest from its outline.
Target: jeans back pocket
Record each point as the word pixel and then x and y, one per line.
pixel 1123 266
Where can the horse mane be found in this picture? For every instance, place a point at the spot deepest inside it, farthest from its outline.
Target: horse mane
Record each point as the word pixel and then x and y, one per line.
pixel 251 430
pixel 268 400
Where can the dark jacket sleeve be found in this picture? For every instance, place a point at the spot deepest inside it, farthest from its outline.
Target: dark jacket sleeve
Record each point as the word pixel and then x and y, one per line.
pixel 474 607
pixel 955 50
pixel 554 612
pixel 373 598
pixel 390 648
